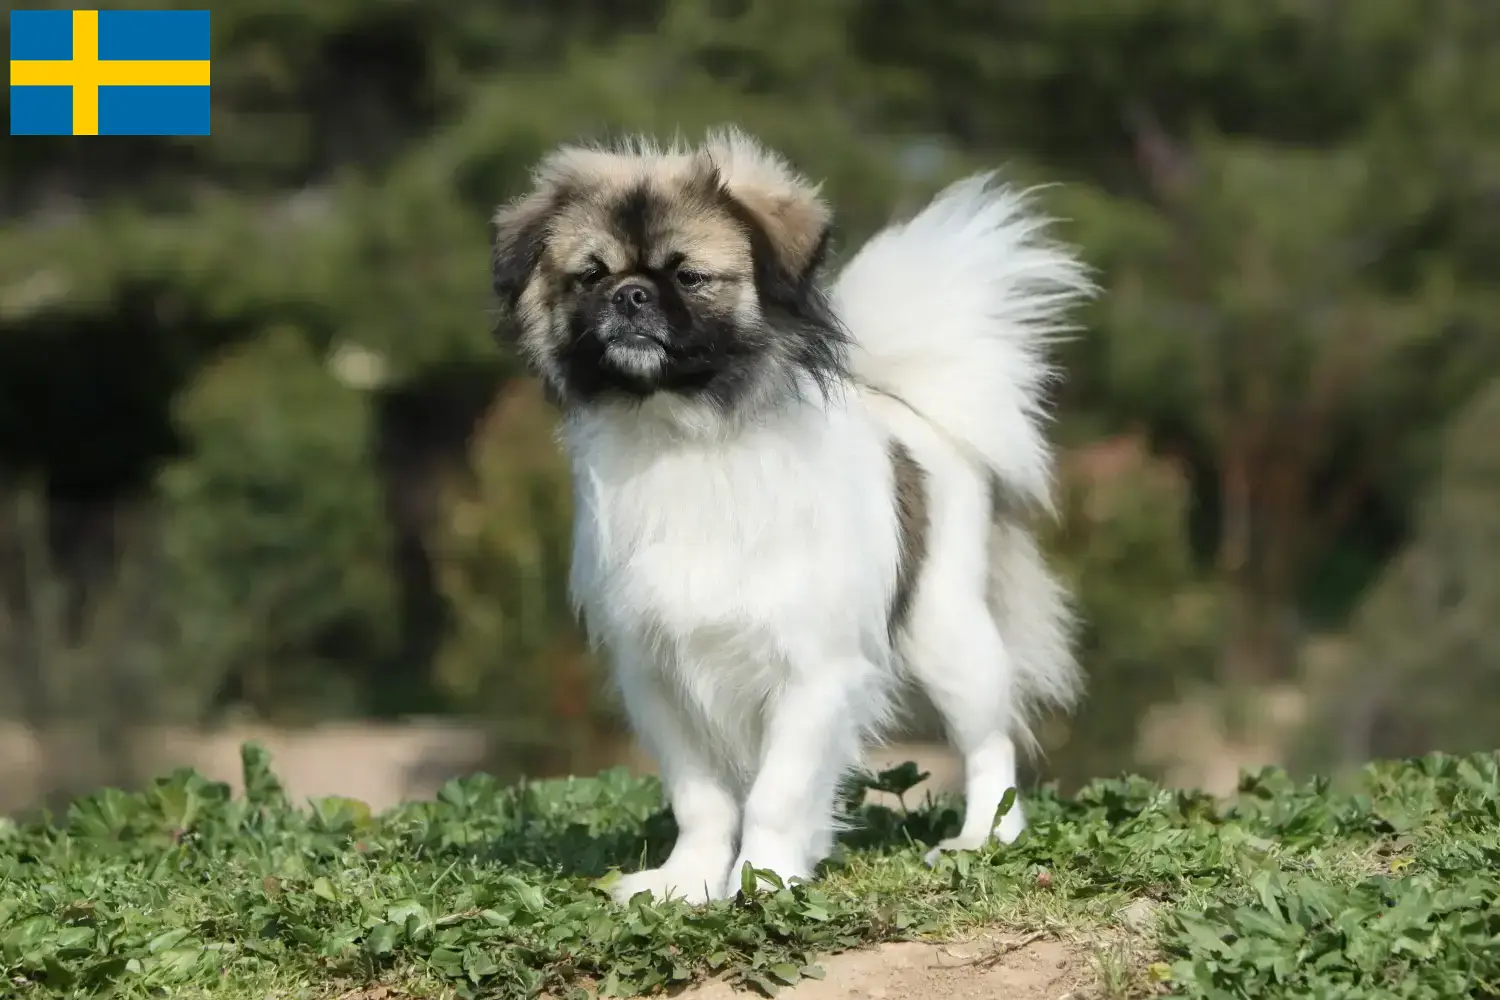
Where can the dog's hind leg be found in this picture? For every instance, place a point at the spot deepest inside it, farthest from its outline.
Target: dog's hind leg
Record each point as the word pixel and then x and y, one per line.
pixel 949 638
pixel 958 656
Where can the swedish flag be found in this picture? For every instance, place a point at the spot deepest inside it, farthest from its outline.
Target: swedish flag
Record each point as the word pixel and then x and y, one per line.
pixel 110 72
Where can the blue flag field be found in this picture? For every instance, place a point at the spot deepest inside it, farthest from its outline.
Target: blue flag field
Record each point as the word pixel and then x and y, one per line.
pixel 109 72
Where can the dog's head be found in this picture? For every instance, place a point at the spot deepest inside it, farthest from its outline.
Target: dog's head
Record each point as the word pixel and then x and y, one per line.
pixel 631 272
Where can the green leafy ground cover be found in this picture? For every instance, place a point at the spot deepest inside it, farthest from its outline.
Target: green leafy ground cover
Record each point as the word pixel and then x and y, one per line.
pixel 1292 890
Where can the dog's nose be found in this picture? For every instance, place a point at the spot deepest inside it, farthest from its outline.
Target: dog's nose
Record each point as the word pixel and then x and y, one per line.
pixel 631 297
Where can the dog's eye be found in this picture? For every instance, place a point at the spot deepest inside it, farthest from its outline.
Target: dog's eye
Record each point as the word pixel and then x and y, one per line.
pixel 688 278
pixel 590 277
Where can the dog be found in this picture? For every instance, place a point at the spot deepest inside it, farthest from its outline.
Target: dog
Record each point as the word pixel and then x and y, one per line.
pixel 795 496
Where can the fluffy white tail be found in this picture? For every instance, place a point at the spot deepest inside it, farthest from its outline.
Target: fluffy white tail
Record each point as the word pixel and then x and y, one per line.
pixel 952 313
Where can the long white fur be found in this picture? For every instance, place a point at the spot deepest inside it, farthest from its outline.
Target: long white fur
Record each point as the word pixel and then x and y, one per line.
pixel 740 572
pixel 969 355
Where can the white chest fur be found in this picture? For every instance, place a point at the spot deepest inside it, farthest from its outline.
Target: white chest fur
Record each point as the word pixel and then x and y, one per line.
pixel 742 554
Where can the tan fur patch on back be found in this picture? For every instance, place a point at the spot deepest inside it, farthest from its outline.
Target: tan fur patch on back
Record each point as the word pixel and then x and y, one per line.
pixel 912 520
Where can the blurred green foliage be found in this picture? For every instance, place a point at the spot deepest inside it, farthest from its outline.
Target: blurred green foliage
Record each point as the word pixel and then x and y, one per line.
pixel 276 546
pixel 1420 666
pixel 1150 618
pixel 273 344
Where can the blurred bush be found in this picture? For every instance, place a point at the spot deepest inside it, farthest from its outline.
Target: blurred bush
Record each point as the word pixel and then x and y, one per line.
pixel 1421 666
pixel 1150 617
pixel 502 551
pixel 276 549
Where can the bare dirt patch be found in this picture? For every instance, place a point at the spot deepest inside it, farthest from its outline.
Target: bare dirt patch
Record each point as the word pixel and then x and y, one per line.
pixel 988 967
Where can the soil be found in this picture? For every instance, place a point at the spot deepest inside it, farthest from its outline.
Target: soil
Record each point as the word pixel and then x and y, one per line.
pixel 989 967
pixel 985 968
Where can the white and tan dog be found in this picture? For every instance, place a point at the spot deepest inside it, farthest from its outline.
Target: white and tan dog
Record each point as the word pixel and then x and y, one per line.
pixel 791 498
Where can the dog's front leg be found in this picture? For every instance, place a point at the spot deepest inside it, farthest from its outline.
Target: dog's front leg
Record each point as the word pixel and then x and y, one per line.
pixel 702 801
pixel 812 738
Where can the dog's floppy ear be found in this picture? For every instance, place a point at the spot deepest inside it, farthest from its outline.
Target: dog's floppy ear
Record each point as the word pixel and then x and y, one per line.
pixel 518 234
pixel 786 206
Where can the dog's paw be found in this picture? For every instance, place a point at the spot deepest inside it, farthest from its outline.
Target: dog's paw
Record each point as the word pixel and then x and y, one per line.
pixel 785 865
pixel 663 883
pixel 1011 826
pixel 953 845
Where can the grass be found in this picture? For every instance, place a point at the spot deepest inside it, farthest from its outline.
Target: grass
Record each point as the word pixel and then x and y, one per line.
pixel 1389 890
